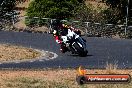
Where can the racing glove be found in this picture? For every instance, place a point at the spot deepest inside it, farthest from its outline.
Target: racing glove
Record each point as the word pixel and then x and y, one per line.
pixel 58 41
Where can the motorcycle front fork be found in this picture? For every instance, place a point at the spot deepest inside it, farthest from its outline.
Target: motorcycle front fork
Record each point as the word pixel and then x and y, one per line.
pixel 72 49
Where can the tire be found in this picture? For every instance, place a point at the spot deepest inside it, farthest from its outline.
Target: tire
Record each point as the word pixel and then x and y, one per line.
pixel 80 50
pixel 80 80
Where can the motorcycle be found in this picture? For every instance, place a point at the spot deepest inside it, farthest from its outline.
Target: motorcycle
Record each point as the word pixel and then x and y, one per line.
pixel 75 43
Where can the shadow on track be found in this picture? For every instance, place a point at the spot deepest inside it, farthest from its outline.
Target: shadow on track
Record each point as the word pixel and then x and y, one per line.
pixel 76 55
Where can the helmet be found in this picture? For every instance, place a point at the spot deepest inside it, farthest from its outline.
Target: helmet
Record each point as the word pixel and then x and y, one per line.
pixel 56 22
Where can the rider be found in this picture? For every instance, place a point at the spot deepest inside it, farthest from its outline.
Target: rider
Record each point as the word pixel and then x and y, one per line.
pixel 60 29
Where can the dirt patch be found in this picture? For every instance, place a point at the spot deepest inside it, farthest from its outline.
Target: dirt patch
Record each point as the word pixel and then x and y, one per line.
pixel 42 29
pixel 97 5
pixel 24 5
pixel 9 53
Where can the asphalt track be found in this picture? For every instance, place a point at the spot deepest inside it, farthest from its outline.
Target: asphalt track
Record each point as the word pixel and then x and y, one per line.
pixel 101 51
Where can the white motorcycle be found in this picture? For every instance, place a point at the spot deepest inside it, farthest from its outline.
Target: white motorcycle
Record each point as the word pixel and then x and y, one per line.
pixel 75 43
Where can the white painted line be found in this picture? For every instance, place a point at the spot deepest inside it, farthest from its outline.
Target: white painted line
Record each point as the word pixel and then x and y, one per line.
pixel 16 62
pixel 41 60
pixel 31 61
pixel 55 55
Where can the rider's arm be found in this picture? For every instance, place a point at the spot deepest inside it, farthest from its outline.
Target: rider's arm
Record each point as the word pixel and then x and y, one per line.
pixel 57 39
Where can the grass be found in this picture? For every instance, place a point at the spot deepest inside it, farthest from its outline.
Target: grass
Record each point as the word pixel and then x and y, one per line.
pixel 34 83
pixel 11 52
pixel 111 68
pixel 53 84
pixel 55 78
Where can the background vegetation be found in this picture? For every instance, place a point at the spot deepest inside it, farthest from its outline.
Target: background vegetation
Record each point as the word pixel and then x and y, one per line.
pixel 78 10
pixel 113 12
pixel 73 9
pixel 117 10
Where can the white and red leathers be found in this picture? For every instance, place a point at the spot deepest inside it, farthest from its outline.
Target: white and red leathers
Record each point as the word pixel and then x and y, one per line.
pixel 57 35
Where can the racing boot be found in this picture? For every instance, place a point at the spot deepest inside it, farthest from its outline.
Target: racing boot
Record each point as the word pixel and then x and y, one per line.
pixel 63 48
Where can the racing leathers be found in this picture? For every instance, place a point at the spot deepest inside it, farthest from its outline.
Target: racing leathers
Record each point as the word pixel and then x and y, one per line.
pixel 62 31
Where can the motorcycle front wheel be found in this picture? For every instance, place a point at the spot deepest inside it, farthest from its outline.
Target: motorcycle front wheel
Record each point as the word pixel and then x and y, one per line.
pixel 80 50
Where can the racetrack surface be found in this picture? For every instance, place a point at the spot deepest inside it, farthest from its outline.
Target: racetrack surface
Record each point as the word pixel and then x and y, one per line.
pixel 101 51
